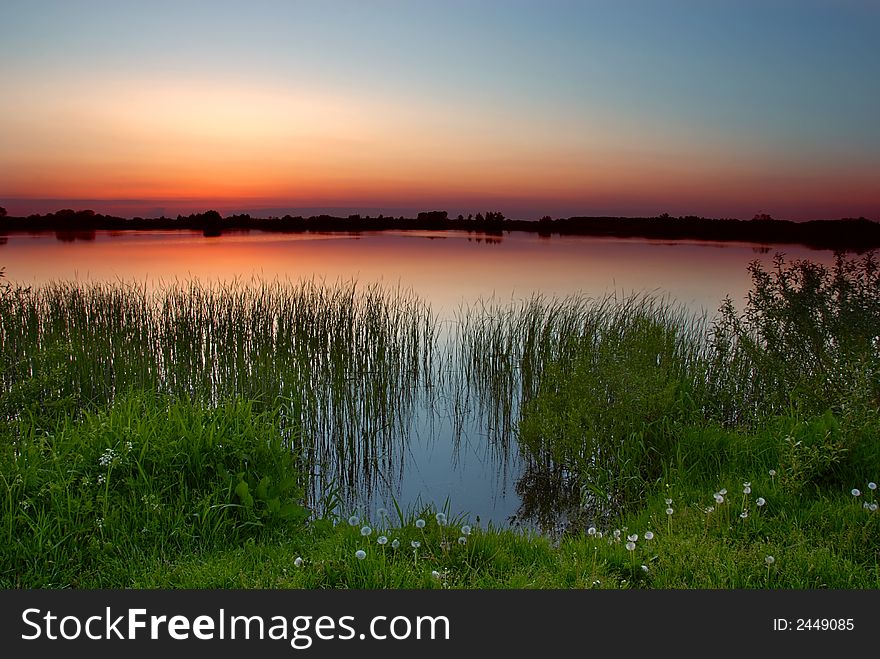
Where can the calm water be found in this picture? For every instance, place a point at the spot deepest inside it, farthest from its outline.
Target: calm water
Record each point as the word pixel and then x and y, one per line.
pixel 448 270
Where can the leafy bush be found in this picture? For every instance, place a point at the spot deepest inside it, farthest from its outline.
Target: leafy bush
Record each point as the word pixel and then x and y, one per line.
pixel 809 337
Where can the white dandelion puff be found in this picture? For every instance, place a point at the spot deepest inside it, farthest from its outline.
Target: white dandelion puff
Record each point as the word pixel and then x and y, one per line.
pixel 298 561
pixel 360 554
pixel 420 523
pixel 760 501
pixel 856 492
pixel 366 530
pixel 649 535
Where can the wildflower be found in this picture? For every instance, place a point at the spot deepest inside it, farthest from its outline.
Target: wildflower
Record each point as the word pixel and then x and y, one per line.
pixel 760 501
pixel 744 514
pixel 466 529
pixel 769 560
pixel 420 523
pixel 719 498
pixel 366 530
pixel 128 446
pixel 856 492
pixel 441 518
pixel 772 473
pixel 415 544
pixel 382 540
pixel 669 511
pixel 591 530
pixel 395 543
pixel 107 457
pixel 100 522
pixel 649 535
pixel 298 561
pixel 872 485
pixel 353 520
pixel 435 574
pixel 462 540
pixel 360 554
pixel 630 545
pixel 633 537
pixel 101 479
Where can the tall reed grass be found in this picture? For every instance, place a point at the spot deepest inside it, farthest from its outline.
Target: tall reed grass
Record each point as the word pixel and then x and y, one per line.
pixel 342 362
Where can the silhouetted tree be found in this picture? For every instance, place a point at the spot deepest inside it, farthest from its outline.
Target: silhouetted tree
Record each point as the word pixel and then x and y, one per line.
pixel 460 216
pixel 2 212
pixel 762 217
pixel 479 217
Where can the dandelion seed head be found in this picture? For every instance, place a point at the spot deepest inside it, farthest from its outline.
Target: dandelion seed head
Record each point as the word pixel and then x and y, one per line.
pixel 744 514
pixel 366 530
pixel 395 543
pixel 760 501
pixel 630 545
pixel 722 491
pixel 719 498
pixel 462 539
pixel 382 540
pixel 872 485
pixel 644 568
pixel 616 533
pixel 420 523
pixel 298 561
pixel 669 502
pixel 441 518
pixel 772 473
pixel 769 560
pixel 415 544
pixel 747 484
pixel 353 520
pixel 360 554
pixel 466 529
pixel 669 511
pixel 633 538
pixel 435 574
pixel 649 535
pixel 873 507
pixel 591 530
pixel 856 492
pixel 747 490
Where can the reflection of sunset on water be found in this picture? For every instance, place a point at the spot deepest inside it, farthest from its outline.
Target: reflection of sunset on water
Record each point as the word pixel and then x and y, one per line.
pixel 445 269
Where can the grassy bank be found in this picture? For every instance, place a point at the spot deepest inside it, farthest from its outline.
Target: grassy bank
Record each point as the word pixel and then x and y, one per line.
pixel 171 441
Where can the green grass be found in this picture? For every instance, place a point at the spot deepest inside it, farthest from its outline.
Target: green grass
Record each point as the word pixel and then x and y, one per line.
pixel 171 439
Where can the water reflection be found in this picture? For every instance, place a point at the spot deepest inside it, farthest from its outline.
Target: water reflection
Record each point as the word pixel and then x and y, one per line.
pixel 433 425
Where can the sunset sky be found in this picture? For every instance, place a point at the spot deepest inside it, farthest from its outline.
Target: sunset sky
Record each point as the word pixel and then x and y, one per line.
pixel 625 107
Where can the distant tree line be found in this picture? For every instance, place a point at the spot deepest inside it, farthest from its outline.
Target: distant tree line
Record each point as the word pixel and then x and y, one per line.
pixel 855 234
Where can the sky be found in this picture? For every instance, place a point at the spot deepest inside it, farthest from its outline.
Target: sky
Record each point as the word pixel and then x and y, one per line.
pixel 560 108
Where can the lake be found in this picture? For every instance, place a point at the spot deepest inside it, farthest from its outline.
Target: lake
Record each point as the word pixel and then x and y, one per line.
pixel 438 458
